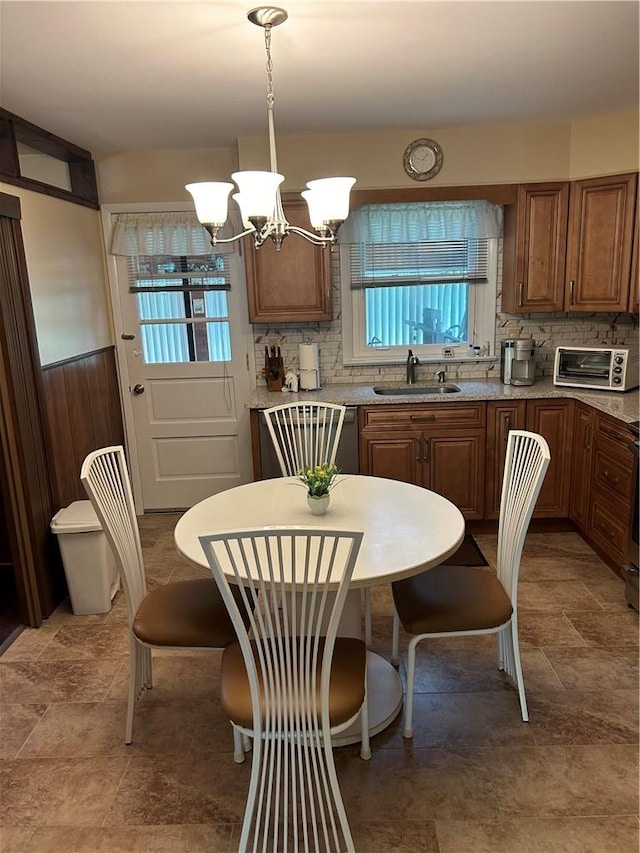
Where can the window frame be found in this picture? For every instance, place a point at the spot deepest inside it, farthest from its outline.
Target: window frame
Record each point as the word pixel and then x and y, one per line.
pixel 481 309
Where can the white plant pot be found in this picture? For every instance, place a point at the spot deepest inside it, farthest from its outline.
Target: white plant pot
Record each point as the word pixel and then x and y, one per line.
pixel 318 506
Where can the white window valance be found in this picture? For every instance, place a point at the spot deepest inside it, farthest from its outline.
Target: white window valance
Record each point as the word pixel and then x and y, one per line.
pixel 176 233
pixel 417 222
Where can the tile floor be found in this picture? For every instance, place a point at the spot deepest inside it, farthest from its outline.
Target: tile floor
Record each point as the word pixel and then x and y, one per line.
pixel 475 779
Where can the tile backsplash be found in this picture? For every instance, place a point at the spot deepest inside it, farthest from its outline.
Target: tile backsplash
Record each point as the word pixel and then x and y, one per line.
pixel 548 330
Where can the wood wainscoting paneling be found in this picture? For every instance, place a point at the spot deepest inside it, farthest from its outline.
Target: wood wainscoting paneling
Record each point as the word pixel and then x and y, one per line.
pixel 82 413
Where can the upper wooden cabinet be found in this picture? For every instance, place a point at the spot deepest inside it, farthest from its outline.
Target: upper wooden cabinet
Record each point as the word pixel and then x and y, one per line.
pixel 535 240
pixel 568 247
pixel 294 284
pixel 634 293
pixel 601 216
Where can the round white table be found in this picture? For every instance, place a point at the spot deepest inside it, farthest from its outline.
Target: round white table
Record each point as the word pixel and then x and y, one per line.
pixel 407 529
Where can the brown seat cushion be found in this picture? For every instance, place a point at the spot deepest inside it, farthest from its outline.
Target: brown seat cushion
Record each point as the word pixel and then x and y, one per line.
pixel 451 598
pixel 185 613
pixel 346 686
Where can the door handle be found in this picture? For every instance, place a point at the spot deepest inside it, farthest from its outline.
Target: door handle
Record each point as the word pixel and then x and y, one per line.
pixel 128 337
pixel 138 389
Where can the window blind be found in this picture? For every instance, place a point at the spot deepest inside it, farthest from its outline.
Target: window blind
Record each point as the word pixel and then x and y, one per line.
pixel 165 273
pixel 434 262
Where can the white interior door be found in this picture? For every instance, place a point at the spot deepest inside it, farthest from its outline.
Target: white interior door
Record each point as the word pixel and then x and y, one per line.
pixel 185 378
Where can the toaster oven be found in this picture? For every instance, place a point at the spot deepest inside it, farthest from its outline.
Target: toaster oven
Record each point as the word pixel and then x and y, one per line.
pixel 612 368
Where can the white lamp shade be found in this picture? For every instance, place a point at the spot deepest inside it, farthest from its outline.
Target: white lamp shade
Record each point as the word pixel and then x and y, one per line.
pixel 328 200
pixel 238 198
pixel 211 199
pixel 257 192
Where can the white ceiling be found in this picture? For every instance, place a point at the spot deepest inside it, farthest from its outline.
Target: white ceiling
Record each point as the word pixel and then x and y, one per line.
pixel 121 75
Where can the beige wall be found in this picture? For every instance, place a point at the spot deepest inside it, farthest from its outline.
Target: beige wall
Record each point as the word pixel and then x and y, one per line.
pixel 481 154
pixel 140 176
pixel 606 144
pixel 65 262
pixel 491 154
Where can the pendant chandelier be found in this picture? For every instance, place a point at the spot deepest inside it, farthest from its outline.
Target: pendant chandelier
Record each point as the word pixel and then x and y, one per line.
pixel 258 193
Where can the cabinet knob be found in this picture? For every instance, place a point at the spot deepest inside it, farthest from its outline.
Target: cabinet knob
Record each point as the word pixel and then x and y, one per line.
pixel 571 286
pixel 520 294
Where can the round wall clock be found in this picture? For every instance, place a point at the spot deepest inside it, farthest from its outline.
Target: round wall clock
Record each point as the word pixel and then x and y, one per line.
pixel 422 159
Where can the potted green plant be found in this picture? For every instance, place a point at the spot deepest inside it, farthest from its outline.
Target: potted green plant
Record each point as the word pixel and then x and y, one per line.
pixel 318 482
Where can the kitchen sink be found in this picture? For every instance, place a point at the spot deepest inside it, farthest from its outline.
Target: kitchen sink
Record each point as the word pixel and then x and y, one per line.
pixel 402 391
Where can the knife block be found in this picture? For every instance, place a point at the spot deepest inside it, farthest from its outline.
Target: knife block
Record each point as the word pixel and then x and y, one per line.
pixel 275 383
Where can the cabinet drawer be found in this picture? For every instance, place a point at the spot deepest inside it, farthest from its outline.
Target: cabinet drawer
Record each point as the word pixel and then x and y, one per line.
pixel 454 415
pixel 609 529
pixel 613 475
pixel 615 437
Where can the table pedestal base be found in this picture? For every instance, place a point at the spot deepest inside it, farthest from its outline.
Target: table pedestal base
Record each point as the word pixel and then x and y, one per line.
pixel 384 690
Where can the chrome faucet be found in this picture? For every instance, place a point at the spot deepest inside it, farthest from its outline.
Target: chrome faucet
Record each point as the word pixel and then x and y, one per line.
pixel 441 376
pixel 412 361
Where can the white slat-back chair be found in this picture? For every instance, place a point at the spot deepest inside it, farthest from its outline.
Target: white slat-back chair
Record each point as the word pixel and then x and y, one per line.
pixel 304 434
pixel 179 615
pixel 290 682
pixel 450 601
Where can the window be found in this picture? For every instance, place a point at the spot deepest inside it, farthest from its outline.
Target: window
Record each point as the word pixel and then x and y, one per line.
pixel 182 307
pixel 420 276
pixel 180 286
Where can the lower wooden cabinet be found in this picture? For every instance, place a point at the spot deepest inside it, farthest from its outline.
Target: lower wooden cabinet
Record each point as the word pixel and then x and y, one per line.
pixel 580 502
pixel 501 417
pixel 611 485
pixel 440 447
pixel 553 419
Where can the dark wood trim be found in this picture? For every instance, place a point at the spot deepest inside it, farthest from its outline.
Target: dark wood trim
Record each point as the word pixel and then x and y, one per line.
pixel 26 485
pixel 82 173
pixel 55 364
pixel 47 189
pixel 10 206
pixel 495 193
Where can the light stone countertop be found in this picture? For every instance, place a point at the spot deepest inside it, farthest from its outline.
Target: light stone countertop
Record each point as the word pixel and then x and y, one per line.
pixel 624 406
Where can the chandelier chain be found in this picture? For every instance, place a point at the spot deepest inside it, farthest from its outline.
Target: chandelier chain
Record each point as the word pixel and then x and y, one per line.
pixel 267 45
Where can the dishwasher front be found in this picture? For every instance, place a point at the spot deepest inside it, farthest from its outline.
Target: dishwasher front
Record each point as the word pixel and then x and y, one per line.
pixel 347 458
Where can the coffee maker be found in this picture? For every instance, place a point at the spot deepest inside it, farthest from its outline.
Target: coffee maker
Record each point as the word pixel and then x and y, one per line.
pixel 518 364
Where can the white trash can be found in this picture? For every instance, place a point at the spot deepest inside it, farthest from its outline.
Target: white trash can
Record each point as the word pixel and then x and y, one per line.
pixel 89 565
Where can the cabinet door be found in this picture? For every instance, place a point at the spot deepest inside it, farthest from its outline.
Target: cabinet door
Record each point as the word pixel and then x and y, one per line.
pixel 601 214
pixel 501 417
pixel 634 304
pixel 396 456
pixel 553 419
pixel 454 467
pixel 535 236
pixel 580 499
pixel 293 284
